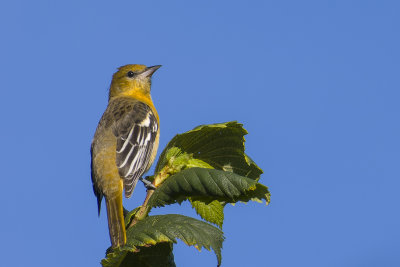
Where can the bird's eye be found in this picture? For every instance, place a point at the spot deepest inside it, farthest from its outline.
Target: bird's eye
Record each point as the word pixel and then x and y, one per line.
pixel 130 74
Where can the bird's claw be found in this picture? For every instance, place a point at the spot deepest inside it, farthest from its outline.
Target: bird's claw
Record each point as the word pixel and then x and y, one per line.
pixel 147 184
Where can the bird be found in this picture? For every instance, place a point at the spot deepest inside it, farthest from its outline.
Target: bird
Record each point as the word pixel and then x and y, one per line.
pixel 125 143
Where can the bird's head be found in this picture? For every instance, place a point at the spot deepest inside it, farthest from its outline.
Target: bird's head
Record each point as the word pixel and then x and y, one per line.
pixel 131 80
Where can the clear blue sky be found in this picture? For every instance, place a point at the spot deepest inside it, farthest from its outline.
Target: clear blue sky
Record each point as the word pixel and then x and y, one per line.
pixel 316 83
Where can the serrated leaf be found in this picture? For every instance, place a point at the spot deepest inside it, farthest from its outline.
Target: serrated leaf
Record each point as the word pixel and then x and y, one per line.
pixel 206 165
pixel 158 255
pixel 176 160
pixel 114 258
pixel 129 216
pixel 254 171
pixel 259 193
pixel 219 145
pixel 210 183
pixel 211 211
pixel 166 228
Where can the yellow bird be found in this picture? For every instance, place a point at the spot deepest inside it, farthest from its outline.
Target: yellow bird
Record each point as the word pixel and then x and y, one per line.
pixel 125 143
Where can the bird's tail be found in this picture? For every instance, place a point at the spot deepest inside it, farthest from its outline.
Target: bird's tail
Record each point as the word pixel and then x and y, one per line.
pixel 116 222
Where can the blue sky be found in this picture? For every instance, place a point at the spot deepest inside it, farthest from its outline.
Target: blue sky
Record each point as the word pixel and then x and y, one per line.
pixel 316 84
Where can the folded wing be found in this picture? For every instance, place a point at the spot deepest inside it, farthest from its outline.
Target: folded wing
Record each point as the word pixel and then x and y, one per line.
pixel 136 131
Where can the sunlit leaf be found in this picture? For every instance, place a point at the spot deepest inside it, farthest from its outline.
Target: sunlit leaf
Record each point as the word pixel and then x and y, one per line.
pixel 214 184
pixel 167 228
pixel 219 145
pixel 210 210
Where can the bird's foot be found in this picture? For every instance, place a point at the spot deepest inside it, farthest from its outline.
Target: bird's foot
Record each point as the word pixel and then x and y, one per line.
pixel 147 184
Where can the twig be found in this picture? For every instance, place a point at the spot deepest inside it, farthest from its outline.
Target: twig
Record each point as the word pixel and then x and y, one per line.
pixel 145 209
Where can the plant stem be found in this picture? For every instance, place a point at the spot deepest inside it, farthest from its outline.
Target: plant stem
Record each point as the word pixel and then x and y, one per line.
pixel 144 209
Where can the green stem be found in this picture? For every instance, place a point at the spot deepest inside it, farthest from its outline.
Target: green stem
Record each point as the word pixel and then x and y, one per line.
pixel 145 209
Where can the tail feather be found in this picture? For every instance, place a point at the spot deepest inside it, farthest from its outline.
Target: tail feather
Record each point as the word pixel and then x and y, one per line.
pixel 116 222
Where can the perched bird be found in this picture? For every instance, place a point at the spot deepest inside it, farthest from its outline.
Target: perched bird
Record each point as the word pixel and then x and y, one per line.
pixel 125 143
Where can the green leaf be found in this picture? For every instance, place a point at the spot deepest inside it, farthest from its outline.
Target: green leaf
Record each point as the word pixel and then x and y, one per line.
pixel 160 228
pixel 114 258
pixel 129 216
pixel 208 166
pixel 159 255
pixel 167 228
pixel 255 171
pixel 219 145
pixel 212 211
pixel 209 183
pixel 258 194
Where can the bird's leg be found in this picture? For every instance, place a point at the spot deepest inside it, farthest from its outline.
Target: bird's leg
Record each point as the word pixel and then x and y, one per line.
pixel 147 184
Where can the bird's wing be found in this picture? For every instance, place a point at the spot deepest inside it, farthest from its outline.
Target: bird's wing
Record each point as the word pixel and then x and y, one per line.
pixel 136 130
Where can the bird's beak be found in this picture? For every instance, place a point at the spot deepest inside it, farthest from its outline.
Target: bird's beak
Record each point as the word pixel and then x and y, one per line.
pixel 148 72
